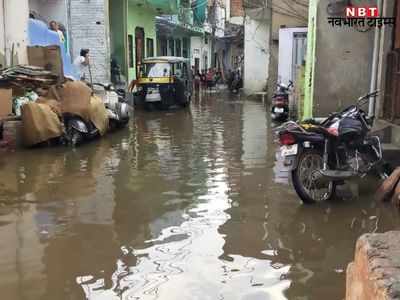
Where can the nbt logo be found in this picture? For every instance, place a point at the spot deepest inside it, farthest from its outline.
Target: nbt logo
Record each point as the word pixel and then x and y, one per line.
pixel 362 12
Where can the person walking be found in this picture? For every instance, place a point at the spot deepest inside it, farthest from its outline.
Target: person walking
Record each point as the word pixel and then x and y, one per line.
pixel 210 77
pixel 82 63
pixel 197 81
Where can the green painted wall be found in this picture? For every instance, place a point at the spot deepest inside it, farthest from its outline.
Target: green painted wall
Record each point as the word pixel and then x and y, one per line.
pixel 117 32
pixel 144 18
pixel 307 111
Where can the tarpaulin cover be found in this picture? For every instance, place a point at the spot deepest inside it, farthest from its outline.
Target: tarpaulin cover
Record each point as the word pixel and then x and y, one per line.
pixel 75 99
pixel 54 104
pixel 199 11
pixel 98 114
pixel 39 123
pixel 40 35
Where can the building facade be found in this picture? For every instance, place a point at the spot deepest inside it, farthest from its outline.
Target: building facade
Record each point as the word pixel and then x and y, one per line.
pixel 13 32
pixel 338 62
pixel 257 36
pixel 288 36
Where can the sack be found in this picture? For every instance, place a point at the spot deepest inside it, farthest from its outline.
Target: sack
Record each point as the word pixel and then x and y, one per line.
pixel 39 123
pixel 98 114
pixel 54 104
pixel 75 99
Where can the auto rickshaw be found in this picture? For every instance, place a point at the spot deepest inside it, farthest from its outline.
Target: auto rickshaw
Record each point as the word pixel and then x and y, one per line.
pixel 164 82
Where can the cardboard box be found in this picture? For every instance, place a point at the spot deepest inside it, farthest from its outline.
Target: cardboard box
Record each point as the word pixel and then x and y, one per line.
pixel 5 102
pixel 48 57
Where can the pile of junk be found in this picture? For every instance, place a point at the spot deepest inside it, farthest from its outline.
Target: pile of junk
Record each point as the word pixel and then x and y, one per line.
pixel 42 103
pixel 50 112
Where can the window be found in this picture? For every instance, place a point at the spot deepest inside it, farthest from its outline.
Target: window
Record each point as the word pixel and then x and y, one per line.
pixel 130 50
pixel 157 69
pixel 178 48
pixel 163 46
pixel 150 47
pixel 185 47
pixel 171 47
pixel 205 40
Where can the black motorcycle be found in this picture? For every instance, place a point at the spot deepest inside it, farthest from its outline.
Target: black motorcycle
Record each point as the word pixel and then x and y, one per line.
pixel 323 155
pixel 235 82
pixel 280 102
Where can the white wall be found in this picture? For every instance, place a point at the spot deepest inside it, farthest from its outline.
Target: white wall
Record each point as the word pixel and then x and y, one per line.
pixel 2 37
pixel 285 62
pixel 50 10
pixel 220 22
pixel 256 55
pixel 15 17
pixel 199 49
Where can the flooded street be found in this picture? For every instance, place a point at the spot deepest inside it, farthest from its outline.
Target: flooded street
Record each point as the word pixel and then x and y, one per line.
pixel 188 204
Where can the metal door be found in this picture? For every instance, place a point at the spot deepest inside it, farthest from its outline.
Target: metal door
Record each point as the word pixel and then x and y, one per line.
pixel 299 52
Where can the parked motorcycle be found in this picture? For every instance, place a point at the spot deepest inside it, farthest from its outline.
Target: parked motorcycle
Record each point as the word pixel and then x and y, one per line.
pixel 117 108
pixel 235 83
pixel 79 130
pixel 280 102
pixel 324 155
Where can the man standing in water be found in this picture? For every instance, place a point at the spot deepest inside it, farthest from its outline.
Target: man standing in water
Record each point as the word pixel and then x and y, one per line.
pixel 82 63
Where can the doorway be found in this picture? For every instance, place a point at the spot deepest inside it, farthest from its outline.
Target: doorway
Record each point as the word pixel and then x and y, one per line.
pixel 391 101
pixel 196 65
pixel 139 48
pixel 299 52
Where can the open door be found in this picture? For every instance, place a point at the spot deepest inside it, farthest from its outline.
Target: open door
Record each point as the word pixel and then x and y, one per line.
pixel 139 48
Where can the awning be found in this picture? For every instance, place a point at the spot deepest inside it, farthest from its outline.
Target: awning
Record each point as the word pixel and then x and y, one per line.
pixel 171 26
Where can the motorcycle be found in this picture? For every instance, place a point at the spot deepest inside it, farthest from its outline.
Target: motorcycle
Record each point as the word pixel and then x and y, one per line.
pixel 117 108
pixel 236 83
pixel 79 130
pixel 280 102
pixel 322 155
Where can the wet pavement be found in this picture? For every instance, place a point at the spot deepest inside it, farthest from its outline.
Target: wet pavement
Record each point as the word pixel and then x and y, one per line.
pixel 182 205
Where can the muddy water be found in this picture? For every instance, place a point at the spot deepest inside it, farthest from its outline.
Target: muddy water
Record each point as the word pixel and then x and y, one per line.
pixel 182 205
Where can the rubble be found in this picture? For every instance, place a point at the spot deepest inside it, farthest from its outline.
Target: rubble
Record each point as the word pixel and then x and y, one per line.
pixel 375 272
pixel 27 77
pixel 388 187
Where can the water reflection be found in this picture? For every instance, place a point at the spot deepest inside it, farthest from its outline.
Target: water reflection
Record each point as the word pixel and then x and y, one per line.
pixel 182 205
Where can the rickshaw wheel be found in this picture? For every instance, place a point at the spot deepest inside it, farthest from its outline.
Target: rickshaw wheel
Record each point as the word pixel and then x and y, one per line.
pixel 162 106
pixel 148 106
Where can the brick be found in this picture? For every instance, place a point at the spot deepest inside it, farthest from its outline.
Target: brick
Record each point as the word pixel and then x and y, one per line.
pixel 85 33
pixel 237 8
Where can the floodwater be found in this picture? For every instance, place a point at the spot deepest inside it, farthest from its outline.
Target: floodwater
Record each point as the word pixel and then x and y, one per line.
pixel 182 205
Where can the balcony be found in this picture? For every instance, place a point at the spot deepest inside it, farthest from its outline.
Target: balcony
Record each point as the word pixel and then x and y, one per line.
pixel 162 7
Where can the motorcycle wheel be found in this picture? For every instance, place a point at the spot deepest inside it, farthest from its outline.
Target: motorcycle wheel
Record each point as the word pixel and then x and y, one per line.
pixel 75 137
pixel 307 179
pixel 149 106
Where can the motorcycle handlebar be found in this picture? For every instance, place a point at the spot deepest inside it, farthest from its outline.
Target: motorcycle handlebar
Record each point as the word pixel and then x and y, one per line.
pixel 107 87
pixel 369 95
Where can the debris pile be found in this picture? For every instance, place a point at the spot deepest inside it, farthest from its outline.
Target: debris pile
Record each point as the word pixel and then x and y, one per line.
pixel 27 77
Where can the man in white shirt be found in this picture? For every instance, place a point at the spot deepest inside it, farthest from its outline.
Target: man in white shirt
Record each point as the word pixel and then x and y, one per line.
pixel 81 63
pixel 55 27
